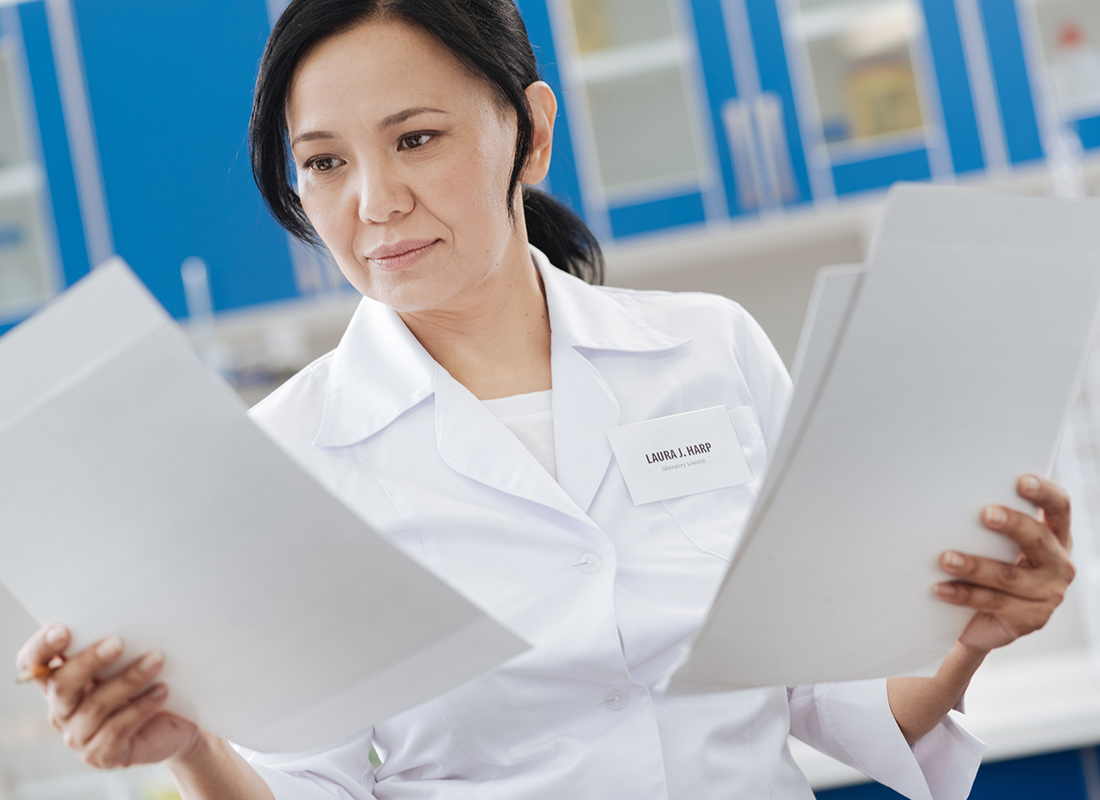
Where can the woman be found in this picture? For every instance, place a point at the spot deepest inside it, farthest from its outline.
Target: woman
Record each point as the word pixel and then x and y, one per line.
pixel 464 415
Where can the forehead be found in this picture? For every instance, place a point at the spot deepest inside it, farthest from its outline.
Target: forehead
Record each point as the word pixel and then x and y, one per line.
pixel 376 69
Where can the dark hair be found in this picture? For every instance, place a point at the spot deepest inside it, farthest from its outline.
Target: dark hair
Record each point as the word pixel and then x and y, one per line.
pixel 487 36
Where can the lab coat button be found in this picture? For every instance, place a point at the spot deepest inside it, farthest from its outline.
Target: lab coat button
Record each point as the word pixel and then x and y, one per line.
pixel 617 698
pixel 589 563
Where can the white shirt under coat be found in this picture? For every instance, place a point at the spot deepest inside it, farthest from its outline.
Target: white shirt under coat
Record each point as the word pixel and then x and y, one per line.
pixel 607 592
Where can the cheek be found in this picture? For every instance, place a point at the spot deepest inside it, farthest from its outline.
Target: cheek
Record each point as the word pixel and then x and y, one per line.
pixel 490 174
pixel 324 210
pixel 468 197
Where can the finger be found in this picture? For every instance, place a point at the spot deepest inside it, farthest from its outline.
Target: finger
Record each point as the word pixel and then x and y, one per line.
pixel 68 685
pixel 110 696
pixel 112 745
pixel 1037 541
pixel 1054 502
pixel 1018 615
pixel 46 644
pixel 1014 579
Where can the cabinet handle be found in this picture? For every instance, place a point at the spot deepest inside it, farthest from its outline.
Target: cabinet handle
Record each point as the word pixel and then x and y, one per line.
pixel 746 165
pixel 775 154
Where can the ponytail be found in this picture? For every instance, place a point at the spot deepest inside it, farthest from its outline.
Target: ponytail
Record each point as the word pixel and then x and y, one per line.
pixel 562 236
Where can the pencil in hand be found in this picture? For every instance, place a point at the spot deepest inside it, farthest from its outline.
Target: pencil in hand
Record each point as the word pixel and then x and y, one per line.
pixel 40 671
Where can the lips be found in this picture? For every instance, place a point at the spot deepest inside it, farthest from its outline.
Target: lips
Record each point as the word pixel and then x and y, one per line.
pixel 400 254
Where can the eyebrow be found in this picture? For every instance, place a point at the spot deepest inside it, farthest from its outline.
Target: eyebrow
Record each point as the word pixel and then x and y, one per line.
pixel 389 122
pixel 407 114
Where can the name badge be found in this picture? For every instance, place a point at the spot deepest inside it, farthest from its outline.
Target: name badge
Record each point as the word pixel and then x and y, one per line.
pixel 680 455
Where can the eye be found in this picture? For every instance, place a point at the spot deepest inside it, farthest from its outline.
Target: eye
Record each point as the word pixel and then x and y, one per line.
pixel 414 140
pixel 323 163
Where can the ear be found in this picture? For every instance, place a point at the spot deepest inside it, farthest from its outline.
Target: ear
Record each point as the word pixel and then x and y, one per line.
pixel 544 109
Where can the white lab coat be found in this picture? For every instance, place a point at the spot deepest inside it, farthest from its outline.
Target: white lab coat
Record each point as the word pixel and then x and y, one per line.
pixel 608 592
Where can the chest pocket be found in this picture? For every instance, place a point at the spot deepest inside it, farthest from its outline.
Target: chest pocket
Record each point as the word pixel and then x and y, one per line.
pixel 714 520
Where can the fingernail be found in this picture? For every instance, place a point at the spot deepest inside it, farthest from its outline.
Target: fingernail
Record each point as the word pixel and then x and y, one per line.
pixel 151 662
pixel 995 515
pixel 946 589
pixel 953 560
pixel 1030 484
pixel 56 635
pixel 109 648
pixel 158 693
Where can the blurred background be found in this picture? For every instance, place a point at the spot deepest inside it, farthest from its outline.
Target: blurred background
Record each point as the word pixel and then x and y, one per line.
pixel 731 146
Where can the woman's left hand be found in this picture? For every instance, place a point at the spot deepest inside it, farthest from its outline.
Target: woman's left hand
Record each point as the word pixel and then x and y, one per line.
pixel 1014 599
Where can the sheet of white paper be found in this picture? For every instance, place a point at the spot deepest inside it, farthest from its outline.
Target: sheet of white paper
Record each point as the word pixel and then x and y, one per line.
pixel 139 500
pixel 955 371
pixel 831 301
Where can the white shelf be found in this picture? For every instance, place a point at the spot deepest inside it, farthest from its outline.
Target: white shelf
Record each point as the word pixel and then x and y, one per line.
pixel 631 60
pixel 830 20
pixel 849 151
pixel 1082 109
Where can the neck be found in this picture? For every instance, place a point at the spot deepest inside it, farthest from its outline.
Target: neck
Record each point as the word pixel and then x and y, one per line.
pixel 498 343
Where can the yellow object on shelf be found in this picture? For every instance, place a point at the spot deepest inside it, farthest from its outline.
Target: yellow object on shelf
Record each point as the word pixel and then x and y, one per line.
pixel 883 98
pixel 590 21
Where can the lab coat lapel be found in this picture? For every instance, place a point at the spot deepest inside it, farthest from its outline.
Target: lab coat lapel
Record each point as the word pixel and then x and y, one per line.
pixel 476 444
pixel 584 408
pixel 586 321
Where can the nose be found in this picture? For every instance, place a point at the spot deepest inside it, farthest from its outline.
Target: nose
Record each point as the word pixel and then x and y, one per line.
pixel 383 192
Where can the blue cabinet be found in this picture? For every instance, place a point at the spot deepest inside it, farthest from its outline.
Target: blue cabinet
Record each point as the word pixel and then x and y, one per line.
pixel 1059 47
pixel 164 174
pixel 630 78
pixel 170 89
pixel 675 114
pixel 876 88
pixel 784 103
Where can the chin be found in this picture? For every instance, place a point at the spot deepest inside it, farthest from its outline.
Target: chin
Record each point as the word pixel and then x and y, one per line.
pixel 406 299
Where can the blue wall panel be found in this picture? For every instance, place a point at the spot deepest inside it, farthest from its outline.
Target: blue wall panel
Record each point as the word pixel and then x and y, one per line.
pixel 953 79
pixel 170 87
pixel 55 141
pixel 1089 131
pixel 668 212
pixel 720 85
pixel 563 180
pixel 881 173
pixel 1006 52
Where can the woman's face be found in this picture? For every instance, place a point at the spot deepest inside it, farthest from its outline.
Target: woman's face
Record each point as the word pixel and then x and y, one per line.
pixel 403 160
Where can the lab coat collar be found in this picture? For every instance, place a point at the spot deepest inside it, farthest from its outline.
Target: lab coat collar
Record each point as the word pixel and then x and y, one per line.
pixel 377 349
pixel 596 319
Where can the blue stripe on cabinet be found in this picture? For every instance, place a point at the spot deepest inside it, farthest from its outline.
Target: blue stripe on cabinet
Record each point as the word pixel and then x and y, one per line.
pixel 1089 131
pixel 720 85
pixel 1006 52
pixel 953 80
pixel 170 86
pixel 881 173
pixel 55 141
pixel 670 212
pixel 563 179
pixel 775 76
pixel 864 791
pixel 1057 776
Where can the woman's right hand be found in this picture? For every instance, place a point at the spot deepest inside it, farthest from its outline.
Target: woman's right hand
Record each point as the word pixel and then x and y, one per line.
pixel 109 723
